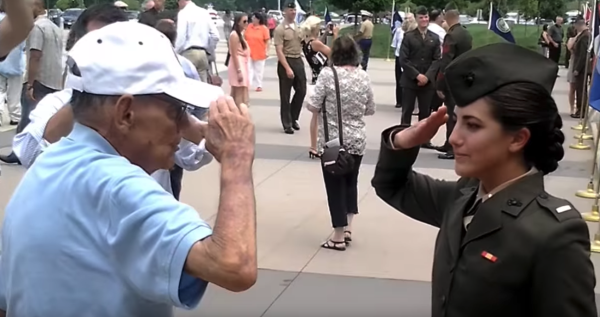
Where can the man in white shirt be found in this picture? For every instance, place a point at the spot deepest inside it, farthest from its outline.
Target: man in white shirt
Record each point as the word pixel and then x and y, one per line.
pixel 436 19
pixel 197 36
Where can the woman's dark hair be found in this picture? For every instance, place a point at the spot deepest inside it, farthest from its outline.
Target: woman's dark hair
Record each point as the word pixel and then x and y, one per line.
pixel 545 27
pixel 106 13
pixel 261 17
pixel 238 30
pixel 527 105
pixel 345 52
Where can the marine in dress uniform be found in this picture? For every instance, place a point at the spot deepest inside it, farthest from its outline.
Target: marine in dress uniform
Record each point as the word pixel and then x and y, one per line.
pixel 418 52
pixel 290 69
pixel 457 41
pixel 514 251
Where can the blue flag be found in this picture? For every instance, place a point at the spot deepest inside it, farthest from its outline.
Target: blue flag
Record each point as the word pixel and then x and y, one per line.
pixel 595 26
pixel 595 88
pixel 396 21
pixel 499 26
pixel 327 16
pixel 300 14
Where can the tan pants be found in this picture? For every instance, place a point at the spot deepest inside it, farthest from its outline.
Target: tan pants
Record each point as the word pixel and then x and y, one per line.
pixel 200 60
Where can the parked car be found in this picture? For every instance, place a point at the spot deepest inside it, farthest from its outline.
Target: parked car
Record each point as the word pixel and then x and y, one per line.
pixel 55 16
pixel 276 14
pixel 70 16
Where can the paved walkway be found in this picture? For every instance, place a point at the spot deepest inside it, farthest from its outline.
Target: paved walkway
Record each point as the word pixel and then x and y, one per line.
pixel 387 268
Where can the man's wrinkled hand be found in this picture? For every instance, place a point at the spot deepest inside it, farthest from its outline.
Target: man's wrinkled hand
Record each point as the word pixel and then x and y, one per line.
pixel 230 131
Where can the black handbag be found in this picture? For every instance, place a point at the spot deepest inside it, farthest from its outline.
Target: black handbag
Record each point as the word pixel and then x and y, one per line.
pixel 335 159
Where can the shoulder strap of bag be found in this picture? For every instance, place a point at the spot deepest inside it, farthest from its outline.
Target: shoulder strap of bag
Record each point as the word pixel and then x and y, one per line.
pixel 339 105
pixel 325 125
pixel 339 110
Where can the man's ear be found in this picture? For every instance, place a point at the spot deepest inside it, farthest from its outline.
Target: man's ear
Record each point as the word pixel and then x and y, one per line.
pixel 124 114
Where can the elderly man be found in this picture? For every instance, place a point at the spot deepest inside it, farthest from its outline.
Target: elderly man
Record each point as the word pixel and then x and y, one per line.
pixel 105 220
pixel 197 36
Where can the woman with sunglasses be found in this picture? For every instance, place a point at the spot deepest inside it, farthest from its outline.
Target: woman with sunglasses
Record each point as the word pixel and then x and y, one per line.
pixel 238 62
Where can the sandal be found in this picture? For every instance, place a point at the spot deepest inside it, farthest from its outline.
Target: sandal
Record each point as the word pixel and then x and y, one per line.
pixel 347 236
pixel 334 245
pixel 313 154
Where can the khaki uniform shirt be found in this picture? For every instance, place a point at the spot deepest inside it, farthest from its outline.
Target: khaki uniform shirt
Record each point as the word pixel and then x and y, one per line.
pixel 289 36
pixel 366 29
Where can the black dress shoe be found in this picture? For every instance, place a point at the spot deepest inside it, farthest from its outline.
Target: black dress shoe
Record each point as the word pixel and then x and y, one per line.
pixel 14 122
pixel 398 105
pixel 446 156
pixel 10 159
pixel 288 131
pixel 441 149
pixel 296 126
pixel 428 145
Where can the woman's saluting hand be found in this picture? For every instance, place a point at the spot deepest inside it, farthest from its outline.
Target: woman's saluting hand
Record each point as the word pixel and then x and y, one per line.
pixel 422 132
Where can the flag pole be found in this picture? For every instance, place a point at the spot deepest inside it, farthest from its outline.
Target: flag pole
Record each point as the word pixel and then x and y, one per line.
pixel 390 33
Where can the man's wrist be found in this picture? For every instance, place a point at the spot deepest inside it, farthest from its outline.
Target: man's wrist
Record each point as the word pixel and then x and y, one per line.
pixel 237 156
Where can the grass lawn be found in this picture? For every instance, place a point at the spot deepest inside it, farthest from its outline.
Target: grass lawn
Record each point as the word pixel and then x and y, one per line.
pixel 526 36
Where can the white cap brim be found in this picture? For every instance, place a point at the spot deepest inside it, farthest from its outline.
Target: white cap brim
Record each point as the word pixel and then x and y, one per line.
pixel 194 92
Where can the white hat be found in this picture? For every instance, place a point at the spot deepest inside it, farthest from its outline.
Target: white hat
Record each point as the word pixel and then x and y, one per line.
pixel 135 59
pixel 120 4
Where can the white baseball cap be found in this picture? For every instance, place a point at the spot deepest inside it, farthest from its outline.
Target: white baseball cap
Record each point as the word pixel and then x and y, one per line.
pixel 133 58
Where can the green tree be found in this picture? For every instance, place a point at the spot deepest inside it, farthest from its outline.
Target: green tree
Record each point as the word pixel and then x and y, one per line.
pixel 373 6
pixel 408 4
pixel 68 4
pixel 132 4
pixel 528 8
pixel 550 9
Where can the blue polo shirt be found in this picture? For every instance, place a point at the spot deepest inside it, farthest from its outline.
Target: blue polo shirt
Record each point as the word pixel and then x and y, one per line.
pixel 86 233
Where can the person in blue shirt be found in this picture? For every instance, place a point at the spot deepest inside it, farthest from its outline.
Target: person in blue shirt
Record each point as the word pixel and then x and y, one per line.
pixel 11 80
pixel 88 231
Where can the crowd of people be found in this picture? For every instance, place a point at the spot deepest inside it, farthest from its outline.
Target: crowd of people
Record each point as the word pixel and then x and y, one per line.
pixel 576 41
pixel 105 142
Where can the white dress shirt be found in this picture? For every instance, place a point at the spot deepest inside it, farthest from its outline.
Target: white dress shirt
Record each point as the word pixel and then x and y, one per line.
pixel 195 28
pixel 397 41
pixel 30 143
pixel 439 31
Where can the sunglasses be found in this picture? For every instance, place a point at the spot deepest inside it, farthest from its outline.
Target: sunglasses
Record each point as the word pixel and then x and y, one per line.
pixel 180 107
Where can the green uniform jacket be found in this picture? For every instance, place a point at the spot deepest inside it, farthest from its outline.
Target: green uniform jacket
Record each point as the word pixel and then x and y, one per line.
pixel 526 253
